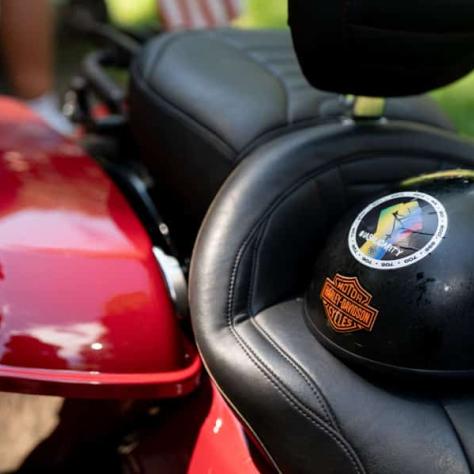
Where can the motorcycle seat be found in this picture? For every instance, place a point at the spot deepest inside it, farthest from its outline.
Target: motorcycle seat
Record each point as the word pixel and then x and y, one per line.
pixel 201 102
pixel 252 264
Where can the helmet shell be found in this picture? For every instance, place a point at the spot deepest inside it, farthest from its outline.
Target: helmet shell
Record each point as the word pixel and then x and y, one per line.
pixel 393 288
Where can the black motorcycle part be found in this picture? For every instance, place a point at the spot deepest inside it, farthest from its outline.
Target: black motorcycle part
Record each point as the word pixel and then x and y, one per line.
pixel 393 286
pixel 390 48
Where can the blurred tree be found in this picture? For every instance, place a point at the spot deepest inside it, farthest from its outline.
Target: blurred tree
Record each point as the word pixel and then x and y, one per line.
pixel 259 13
pixel 134 13
pixel 264 14
pixel 458 102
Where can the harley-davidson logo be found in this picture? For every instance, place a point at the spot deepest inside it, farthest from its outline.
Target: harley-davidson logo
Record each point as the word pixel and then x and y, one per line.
pixel 347 305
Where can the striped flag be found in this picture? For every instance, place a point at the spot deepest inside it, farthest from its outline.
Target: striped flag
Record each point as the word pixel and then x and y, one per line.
pixel 195 14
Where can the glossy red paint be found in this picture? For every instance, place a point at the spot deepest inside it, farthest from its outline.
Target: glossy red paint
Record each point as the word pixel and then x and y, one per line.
pixel 84 310
pixel 199 434
pixel 221 445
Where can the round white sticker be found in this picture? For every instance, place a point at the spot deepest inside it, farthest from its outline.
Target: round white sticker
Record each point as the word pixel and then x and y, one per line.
pixel 398 230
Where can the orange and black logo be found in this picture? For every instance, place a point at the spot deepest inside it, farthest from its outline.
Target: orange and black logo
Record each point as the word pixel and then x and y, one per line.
pixel 347 305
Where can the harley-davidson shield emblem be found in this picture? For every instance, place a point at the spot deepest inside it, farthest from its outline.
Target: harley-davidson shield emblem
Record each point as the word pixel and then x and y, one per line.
pixel 347 305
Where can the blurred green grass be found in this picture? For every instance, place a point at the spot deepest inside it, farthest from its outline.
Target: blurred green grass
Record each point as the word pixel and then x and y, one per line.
pixel 259 15
pixel 457 100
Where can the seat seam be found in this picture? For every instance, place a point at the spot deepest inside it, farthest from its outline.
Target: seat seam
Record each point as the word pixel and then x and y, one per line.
pixel 311 416
pixel 263 65
pixel 328 414
pixel 293 401
pixel 238 154
pixel 146 79
pixel 186 117
pixel 252 272
pixel 162 48
pixel 457 435
pixel 264 137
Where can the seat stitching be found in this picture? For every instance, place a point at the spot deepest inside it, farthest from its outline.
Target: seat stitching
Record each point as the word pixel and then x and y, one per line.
pixel 274 379
pixel 456 434
pixel 144 82
pixel 253 273
pixel 163 47
pixel 341 442
pixel 237 154
pixel 286 91
pixel 328 414
pixel 281 61
pixel 327 411
pixel 288 396
pixel 224 33
pixel 191 120
pixel 293 401
pixel 230 320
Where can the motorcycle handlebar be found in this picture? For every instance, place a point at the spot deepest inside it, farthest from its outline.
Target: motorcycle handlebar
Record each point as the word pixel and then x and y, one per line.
pixel 93 70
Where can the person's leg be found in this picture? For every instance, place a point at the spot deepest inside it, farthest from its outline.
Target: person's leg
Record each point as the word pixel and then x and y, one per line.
pixel 27 40
pixel 26 32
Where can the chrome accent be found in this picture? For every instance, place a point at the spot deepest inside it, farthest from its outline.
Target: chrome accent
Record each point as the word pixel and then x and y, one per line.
pixel 175 280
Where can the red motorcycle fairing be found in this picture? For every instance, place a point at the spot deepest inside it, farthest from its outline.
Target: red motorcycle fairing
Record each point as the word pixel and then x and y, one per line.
pixel 200 434
pixel 84 308
pixel 221 445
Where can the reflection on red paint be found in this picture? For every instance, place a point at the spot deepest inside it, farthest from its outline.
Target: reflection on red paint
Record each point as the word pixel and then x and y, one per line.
pixel 221 445
pixel 198 435
pixel 80 289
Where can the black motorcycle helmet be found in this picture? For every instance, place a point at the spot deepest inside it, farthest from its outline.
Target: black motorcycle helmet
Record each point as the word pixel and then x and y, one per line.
pixel 393 289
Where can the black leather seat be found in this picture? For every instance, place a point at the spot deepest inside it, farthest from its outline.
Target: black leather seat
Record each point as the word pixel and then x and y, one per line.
pixel 200 102
pixel 253 259
pixel 251 267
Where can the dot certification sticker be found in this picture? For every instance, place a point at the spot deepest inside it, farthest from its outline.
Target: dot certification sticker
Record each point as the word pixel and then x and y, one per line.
pixel 398 230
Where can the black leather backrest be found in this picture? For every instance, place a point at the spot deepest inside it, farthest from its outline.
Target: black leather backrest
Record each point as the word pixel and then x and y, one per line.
pixel 383 48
